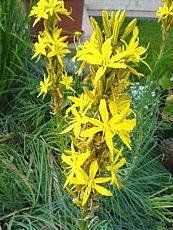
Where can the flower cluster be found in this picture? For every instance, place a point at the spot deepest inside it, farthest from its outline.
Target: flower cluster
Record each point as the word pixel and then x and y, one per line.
pixel 101 119
pixel 45 9
pixel 53 47
pixel 165 14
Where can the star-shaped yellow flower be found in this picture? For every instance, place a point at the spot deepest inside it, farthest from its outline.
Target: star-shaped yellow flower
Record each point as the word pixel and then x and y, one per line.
pixel 118 124
pixel 57 46
pixel 75 161
pixel 76 123
pixel 91 183
pixel 84 102
pixel 104 58
pixel 39 11
pixel 44 86
pixel 136 51
pixel 40 46
pixel 47 8
pixel 67 81
pixel 165 11
pixel 114 168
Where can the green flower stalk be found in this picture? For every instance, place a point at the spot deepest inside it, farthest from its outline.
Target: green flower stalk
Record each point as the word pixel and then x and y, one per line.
pixel 165 14
pixel 102 119
pixel 53 47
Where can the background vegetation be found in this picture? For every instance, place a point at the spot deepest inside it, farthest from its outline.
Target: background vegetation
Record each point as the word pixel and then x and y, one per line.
pixel 31 180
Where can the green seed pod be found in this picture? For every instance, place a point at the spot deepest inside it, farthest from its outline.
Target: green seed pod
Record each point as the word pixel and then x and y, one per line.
pixel 112 19
pixel 117 15
pixel 97 32
pixel 129 28
pixel 122 18
pixel 92 70
pixel 100 89
pixel 88 93
pixel 115 33
pixel 106 26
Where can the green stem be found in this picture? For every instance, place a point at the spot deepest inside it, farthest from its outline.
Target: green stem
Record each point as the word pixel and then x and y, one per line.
pixel 162 48
pixel 84 223
pixel 60 126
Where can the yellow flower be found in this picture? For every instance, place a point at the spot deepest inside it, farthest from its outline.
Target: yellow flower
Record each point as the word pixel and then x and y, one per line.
pixel 114 168
pixel 51 46
pixel 47 8
pixel 165 11
pixel 44 86
pixel 39 11
pixel 165 14
pixel 119 103
pixel 84 102
pixel 136 51
pixel 78 120
pixel 104 58
pixel 57 46
pixel 75 161
pixel 40 46
pixel 52 4
pixel 118 124
pixel 60 9
pixel 91 183
pixel 67 81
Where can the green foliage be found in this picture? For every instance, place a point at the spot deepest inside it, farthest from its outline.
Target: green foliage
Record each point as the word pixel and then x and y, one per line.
pixel 165 82
pixel 13 44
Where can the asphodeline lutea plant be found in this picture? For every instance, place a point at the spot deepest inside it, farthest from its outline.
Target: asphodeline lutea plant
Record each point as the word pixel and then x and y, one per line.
pixel 165 14
pixel 101 119
pixel 53 47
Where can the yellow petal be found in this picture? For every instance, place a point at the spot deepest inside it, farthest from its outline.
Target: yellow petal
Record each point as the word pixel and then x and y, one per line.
pixel 101 180
pixel 119 117
pixel 117 65
pixel 124 136
pixel 109 141
pixel 119 164
pixel 107 48
pixel 86 195
pixel 77 182
pixel 82 158
pixel 103 191
pixel 126 125
pixel 67 159
pixel 103 111
pixel 68 129
pixel 90 59
pixel 77 129
pixel 118 154
pixel 100 72
pixel 95 122
pixel 113 108
pixel 68 180
pixel 115 181
pixel 90 132
pixel 80 175
pixel 93 169
pixel 119 56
